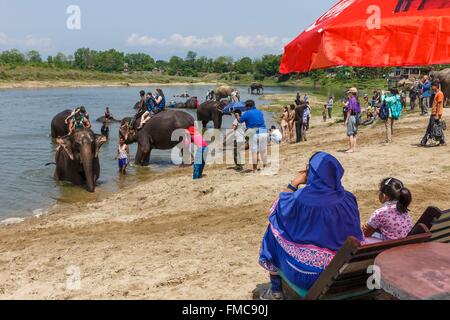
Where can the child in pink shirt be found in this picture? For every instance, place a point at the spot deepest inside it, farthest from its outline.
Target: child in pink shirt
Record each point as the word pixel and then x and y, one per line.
pixel 392 221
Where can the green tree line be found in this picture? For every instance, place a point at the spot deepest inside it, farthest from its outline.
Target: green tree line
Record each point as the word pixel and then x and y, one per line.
pixel 116 61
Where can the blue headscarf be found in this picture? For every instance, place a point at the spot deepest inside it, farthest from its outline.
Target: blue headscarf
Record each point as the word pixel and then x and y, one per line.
pixel 322 213
pixel 309 226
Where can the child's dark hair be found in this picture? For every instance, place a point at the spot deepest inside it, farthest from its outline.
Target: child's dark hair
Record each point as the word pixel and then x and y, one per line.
pixel 396 191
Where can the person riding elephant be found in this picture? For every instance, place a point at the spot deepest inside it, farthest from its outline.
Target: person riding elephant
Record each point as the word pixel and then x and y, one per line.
pixel 155 134
pixel 77 159
pixel 211 111
pixel 223 92
pixel 258 87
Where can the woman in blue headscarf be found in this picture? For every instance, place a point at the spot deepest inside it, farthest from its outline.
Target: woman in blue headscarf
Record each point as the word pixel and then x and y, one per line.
pixel 308 226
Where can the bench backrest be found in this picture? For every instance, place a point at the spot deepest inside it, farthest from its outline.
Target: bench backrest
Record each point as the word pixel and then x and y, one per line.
pixel 347 275
pixel 438 222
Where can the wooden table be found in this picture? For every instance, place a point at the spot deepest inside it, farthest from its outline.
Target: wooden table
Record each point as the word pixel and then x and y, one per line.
pixel 416 272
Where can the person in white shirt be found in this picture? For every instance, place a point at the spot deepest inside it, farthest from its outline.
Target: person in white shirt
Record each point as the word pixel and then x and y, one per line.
pixel 238 128
pixel 275 135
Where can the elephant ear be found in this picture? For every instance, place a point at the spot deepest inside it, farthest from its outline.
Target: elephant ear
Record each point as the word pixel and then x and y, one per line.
pixel 66 145
pixel 99 141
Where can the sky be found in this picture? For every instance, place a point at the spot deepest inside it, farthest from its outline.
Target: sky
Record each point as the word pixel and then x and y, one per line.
pixel 161 28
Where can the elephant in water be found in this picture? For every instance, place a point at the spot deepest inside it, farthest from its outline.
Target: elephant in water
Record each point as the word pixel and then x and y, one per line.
pixel 443 77
pixel 58 125
pixel 156 133
pixel 77 160
pixel 258 87
pixel 223 92
pixel 191 103
pixel 211 111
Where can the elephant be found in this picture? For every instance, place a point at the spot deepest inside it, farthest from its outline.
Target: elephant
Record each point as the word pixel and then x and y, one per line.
pixel 443 77
pixel 191 103
pixel 258 87
pixel 211 111
pixel 156 133
pixel 59 126
pixel 111 120
pixel 77 160
pixel 223 92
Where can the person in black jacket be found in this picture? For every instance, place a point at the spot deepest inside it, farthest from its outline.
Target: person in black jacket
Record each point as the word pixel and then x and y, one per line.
pixel 299 110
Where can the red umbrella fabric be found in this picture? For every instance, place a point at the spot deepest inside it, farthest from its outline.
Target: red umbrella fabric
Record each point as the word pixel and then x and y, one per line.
pixel 373 33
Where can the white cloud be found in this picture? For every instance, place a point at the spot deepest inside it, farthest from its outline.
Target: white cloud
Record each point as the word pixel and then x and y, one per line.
pixel 258 41
pixel 176 40
pixel 29 42
pixel 217 41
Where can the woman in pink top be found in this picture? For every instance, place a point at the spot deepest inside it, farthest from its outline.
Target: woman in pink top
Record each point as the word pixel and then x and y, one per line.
pixel 392 221
pixel 201 151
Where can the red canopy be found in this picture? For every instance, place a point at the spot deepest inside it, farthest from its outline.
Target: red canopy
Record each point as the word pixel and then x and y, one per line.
pixel 373 33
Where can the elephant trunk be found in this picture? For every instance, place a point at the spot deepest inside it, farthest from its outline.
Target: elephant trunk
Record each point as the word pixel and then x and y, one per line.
pixel 87 157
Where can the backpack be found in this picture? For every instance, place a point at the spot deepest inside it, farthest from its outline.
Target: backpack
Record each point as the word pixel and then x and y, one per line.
pixel 397 109
pixel 384 111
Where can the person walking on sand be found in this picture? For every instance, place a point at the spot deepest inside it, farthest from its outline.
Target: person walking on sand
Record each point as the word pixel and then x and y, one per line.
pixel 352 118
pixel 285 123
pixel 257 131
pixel 123 156
pixel 395 107
pixel 437 112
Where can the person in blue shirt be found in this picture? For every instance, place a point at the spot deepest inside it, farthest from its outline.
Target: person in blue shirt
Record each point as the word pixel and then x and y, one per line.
pixel 426 94
pixel 160 101
pixel 150 106
pixel 257 132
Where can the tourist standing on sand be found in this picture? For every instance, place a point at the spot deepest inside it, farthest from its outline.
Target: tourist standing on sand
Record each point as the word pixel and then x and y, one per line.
pixel 426 94
pixel 239 141
pixel 292 123
pixel 299 110
pixel 395 107
pixel 352 118
pixel 285 123
pixel 413 94
pixel 257 131
pixel 200 149
pixel 330 105
pixel 298 99
pixel 437 112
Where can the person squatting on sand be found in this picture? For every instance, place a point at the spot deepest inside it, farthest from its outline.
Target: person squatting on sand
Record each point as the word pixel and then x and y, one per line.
pixel 257 132
pixel 392 221
pixel 306 223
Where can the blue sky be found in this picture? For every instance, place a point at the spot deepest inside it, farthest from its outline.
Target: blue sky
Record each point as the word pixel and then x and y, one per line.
pixel 161 28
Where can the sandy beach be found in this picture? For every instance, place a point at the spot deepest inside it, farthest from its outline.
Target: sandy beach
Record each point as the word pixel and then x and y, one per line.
pixel 173 238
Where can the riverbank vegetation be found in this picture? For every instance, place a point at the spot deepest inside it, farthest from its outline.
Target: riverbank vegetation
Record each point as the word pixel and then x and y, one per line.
pixel 112 65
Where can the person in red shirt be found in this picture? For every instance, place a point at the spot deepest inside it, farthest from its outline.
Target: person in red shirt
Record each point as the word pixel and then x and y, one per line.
pixel 201 152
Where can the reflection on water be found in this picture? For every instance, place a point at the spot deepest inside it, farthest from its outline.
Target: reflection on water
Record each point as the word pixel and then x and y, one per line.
pixel 25 148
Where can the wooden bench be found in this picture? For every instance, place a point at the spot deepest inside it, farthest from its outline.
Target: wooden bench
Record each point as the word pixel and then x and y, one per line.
pixel 347 274
pixel 438 222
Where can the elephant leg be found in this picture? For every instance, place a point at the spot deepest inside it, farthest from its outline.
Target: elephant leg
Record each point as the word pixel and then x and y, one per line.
pixel 217 122
pixel 204 124
pixel 146 159
pixel 138 157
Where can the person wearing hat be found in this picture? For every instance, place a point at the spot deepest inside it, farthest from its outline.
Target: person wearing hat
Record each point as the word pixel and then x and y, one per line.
pixel 352 119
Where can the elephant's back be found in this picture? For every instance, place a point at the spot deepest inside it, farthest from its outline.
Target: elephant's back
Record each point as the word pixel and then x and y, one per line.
pixel 163 125
pixel 58 126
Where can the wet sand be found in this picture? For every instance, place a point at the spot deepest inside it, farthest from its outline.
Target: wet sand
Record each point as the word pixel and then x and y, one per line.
pixel 173 238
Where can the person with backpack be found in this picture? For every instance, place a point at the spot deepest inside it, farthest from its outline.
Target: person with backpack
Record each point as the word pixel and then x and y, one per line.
pixel 437 112
pixel 391 110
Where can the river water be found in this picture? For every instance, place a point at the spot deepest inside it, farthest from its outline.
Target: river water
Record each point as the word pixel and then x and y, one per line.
pixel 27 186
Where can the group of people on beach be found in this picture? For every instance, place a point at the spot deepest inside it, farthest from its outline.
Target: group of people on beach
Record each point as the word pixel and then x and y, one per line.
pixel 307 226
pixel 295 120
